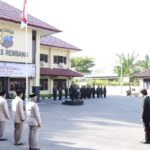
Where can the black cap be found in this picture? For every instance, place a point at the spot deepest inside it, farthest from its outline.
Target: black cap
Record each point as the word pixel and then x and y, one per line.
pixel 2 93
pixel 32 95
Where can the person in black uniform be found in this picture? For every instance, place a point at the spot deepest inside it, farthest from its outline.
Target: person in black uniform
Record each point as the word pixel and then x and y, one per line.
pixel 72 91
pixel 146 116
pixel 98 91
pixel 60 92
pixel 55 92
pixel 88 92
pixel 82 92
pixel 93 91
pixel 76 92
pixel 66 92
pixel 101 92
pixel 104 91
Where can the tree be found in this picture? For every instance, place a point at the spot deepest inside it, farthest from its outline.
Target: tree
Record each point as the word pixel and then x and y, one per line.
pixel 128 63
pixel 143 64
pixel 82 64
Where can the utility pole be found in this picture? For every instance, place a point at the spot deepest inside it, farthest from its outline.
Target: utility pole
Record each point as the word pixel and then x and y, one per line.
pixel 121 74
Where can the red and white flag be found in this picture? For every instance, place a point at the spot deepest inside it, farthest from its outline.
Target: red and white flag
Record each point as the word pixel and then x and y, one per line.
pixel 24 15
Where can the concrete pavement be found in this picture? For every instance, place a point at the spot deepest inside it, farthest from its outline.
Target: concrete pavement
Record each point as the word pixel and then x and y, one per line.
pixel 100 124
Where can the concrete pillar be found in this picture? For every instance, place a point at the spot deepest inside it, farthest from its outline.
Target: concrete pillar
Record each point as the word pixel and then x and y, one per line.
pixel 36 80
pixel 51 58
pixel 69 60
pixel 51 83
pixel 141 83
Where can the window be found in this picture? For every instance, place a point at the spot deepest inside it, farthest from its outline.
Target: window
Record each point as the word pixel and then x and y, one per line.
pixel 44 57
pixel 59 59
pixel 44 84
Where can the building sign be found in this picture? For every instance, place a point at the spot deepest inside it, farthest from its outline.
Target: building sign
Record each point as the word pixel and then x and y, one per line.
pixel 12 53
pixel 6 40
pixel 6 37
pixel 16 70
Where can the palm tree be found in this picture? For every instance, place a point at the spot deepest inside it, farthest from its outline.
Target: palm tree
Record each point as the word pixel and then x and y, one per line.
pixel 143 64
pixel 128 64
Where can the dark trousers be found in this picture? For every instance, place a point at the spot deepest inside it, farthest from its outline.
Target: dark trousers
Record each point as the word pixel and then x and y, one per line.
pixel 54 96
pixel 60 96
pixel 66 95
pixel 93 95
pixel 101 95
pixel 98 95
pixel 104 95
pixel 147 130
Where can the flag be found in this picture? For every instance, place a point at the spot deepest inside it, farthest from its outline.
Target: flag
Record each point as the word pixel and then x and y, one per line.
pixel 24 15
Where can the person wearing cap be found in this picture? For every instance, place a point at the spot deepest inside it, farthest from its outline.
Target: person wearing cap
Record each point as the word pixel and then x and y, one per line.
pixel 19 117
pixel 146 116
pixel 4 114
pixel 34 122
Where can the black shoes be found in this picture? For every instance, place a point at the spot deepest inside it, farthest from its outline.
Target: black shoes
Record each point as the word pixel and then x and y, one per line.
pixel 145 142
pixel 34 149
pixel 19 144
pixel 3 139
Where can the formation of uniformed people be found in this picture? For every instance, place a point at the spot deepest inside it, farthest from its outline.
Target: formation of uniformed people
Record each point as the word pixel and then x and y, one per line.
pixel 76 92
pixel 33 118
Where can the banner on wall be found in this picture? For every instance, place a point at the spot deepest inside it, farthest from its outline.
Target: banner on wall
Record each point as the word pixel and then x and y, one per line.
pixel 16 70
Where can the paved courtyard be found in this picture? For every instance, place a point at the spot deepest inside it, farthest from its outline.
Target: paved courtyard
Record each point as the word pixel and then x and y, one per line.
pixel 100 124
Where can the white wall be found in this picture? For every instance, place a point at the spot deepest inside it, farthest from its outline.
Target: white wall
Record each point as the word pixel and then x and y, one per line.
pixel 18 43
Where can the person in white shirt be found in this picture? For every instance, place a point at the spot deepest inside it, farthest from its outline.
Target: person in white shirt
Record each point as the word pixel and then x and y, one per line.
pixel 34 122
pixel 4 114
pixel 18 113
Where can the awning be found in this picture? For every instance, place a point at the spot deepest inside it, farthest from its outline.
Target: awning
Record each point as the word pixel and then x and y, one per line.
pixel 59 72
pixel 144 74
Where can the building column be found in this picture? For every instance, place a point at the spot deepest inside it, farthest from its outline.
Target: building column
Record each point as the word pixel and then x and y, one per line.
pixel 69 60
pixel 141 83
pixel 36 80
pixel 51 83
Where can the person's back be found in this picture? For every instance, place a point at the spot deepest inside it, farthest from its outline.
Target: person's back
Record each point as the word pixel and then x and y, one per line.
pixel 146 109
pixel 4 114
pixel 18 114
pixel 17 108
pixel 34 122
pixel 146 115
pixel 33 115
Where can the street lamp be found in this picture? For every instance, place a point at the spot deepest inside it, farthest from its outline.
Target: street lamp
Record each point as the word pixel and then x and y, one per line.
pixel 121 76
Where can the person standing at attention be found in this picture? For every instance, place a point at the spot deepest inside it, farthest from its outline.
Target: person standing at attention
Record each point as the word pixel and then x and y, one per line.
pixel 146 116
pixel 34 122
pixel 4 114
pixel 18 113
pixel 104 91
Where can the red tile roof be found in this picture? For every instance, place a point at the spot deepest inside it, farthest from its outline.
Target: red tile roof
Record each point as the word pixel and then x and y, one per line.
pixel 12 14
pixel 143 74
pixel 59 72
pixel 55 42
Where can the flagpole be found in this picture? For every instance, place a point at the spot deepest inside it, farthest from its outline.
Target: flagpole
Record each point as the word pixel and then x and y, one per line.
pixel 26 42
pixel 25 24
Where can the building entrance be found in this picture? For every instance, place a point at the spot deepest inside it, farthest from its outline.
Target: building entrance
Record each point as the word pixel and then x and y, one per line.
pixel 59 82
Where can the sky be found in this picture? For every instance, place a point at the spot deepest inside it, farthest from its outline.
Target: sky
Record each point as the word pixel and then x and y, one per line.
pixel 101 28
